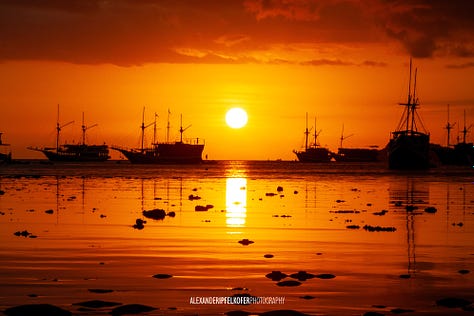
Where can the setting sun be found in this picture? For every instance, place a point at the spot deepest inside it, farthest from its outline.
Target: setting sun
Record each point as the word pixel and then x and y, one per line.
pixel 236 118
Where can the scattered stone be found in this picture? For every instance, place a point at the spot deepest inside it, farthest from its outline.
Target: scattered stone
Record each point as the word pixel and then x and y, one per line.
pixel 379 228
pixel 246 242
pixel 157 199
pixel 270 194
pixel 453 302
pixel 307 297
pixel 193 197
pixel 289 283
pixel 302 276
pixel 411 208
pixel 295 192
pixel 319 253
pixel 156 213
pixel 162 276
pixel 97 304
pixel 103 216
pixel 379 306
pixel 353 226
pixel 276 275
pixel 2 192
pixel 340 201
pixel 268 255
pixel 171 214
pixel 23 233
pixel 36 310
pixel 325 276
pixel 381 213
pixel 405 276
pixel 32 295
pixel 464 271
pixel 369 204
pixel 401 311
pixel 49 211
pixel 200 208
pixel 345 212
pixel 139 224
pixel 431 209
pixel 100 291
pixel 279 189
pixel 285 216
pixel 131 309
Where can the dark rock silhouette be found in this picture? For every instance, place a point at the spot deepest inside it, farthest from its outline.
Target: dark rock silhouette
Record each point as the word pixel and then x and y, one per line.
pixel 453 302
pixel 379 228
pixel 97 304
pixel 157 214
pixel 276 275
pixel 100 291
pixel 246 242
pixel 162 276
pixel 325 276
pixel 36 310
pixel 431 209
pixel 302 276
pixel 289 283
pixel 139 224
pixel 131 309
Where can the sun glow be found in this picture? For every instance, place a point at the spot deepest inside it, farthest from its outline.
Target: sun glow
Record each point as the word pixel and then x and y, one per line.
pixel 236 118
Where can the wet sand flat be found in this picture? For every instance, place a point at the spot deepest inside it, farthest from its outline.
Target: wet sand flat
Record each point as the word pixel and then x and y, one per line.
pixel 257 217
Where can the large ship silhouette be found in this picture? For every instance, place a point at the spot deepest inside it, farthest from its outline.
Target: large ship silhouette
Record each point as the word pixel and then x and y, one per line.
pixel 313 152
pixel 74 152
pixel 184 151
pixel 409 145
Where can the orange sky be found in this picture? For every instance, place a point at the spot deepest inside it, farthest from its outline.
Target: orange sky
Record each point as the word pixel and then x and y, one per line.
pixel 344 61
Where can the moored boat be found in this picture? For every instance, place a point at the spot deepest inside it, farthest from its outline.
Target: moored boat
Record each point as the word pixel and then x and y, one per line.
pixel 371 154
pixel 184 151
pixel 5 151
pixel 74 152
pixel 313 152
pixel 409 145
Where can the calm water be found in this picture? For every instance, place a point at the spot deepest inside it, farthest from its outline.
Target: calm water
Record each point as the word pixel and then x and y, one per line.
pixel 83 215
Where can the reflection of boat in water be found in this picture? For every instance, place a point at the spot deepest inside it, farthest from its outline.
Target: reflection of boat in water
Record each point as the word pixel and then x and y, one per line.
pixel 461 154
pixel 370 154
pixel 182 151
pixel 74 152
pixel 313 152
pixel 5 151
pixel 409 148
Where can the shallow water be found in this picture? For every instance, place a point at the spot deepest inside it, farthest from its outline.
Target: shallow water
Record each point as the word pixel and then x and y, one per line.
pixel 86 239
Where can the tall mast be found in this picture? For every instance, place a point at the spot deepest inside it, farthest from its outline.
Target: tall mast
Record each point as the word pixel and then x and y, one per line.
pixel 449 127
pixel 342 136
pixel 409 98
pixel 168 127
pixel 83 130
pixel 154 129
pixel 58 129
pixel 143 129
pixel 181 130
pixel 306 133
pixel 413 105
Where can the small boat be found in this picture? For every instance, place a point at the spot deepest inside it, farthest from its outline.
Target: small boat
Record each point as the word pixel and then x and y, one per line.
pixel 74 152
pixel 184 151
pixel 409 145
pixel 313 152
pixel 370 154
pixel 5 151
pixel 461 154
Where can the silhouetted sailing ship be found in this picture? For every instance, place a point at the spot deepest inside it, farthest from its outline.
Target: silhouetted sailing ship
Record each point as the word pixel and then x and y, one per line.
pixel 461 154
pixel 184 151
pixel 408 147
pixel 356 154
pixel 74 152
pixel 5 151
pixel 313 152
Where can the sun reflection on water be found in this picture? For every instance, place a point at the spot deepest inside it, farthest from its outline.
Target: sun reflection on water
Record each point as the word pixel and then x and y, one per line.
pixel 236 202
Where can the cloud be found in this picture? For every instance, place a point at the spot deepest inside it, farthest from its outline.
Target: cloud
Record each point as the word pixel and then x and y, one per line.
pixel 461 66
pixel 135 32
